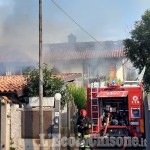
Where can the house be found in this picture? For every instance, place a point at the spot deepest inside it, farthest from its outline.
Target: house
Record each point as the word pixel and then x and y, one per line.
pixel 96 60
pixel 19 127
pixel 91 59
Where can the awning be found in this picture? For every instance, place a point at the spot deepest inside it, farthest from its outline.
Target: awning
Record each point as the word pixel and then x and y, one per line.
pixel 112 94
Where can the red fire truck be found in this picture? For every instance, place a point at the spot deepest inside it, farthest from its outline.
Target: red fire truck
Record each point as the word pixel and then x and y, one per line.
pixel 116 110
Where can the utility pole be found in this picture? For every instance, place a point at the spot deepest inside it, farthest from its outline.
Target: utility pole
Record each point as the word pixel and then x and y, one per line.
pixel 40 79
pixel 68 121
pixel 0 123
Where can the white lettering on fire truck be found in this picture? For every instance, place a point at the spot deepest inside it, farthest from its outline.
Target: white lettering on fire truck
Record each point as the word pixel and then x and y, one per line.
pixel 115 93
pixel 135 99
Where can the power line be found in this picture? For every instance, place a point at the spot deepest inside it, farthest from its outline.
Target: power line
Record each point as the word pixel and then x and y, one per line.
pixel 77 23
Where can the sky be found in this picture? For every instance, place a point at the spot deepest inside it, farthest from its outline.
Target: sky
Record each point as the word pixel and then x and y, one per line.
pixel 102 19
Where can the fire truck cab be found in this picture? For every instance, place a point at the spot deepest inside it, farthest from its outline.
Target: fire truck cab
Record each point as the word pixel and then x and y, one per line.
pixel 116 110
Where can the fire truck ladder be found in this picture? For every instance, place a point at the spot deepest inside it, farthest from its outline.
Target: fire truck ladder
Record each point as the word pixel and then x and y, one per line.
pixel 94 109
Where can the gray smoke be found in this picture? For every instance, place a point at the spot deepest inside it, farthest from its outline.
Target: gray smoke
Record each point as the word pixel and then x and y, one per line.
pixel 19 31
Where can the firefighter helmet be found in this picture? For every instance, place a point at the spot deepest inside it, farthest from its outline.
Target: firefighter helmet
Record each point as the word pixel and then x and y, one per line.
pixel 83 112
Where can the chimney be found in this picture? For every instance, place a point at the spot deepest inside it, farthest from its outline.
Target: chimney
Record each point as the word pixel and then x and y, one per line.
pixel 71 39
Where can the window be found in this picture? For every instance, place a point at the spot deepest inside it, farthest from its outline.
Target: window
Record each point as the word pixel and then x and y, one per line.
pixel 135 112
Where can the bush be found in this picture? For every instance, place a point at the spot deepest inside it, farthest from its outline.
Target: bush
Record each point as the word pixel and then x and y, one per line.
pixel 79 96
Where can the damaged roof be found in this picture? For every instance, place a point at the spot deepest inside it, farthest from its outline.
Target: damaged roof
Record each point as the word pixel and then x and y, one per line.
pixel 87 54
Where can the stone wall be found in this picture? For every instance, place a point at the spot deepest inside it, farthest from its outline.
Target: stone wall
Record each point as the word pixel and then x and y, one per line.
pixel 15 127
pixel 5 126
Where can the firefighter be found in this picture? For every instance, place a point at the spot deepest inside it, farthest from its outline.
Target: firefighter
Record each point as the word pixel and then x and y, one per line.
pixel 83 125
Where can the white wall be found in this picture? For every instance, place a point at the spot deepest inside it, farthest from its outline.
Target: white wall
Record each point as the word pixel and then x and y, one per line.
pixel 92 67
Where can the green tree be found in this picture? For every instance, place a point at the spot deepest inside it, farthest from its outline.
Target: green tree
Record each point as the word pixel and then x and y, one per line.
pixel 137 48
pixel 66 96
pixel 79 96
pixel 51 84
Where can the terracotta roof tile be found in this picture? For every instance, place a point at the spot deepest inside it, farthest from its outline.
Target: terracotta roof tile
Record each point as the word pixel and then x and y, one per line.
pixel 11 83
pixel 68 76
pixel 87 54
pixel 16 83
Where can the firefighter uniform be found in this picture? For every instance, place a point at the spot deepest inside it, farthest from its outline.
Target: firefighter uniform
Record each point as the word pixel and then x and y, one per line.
pixel 83 125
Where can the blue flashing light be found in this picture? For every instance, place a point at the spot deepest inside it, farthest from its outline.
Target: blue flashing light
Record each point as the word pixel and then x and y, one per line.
pixel 113 81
